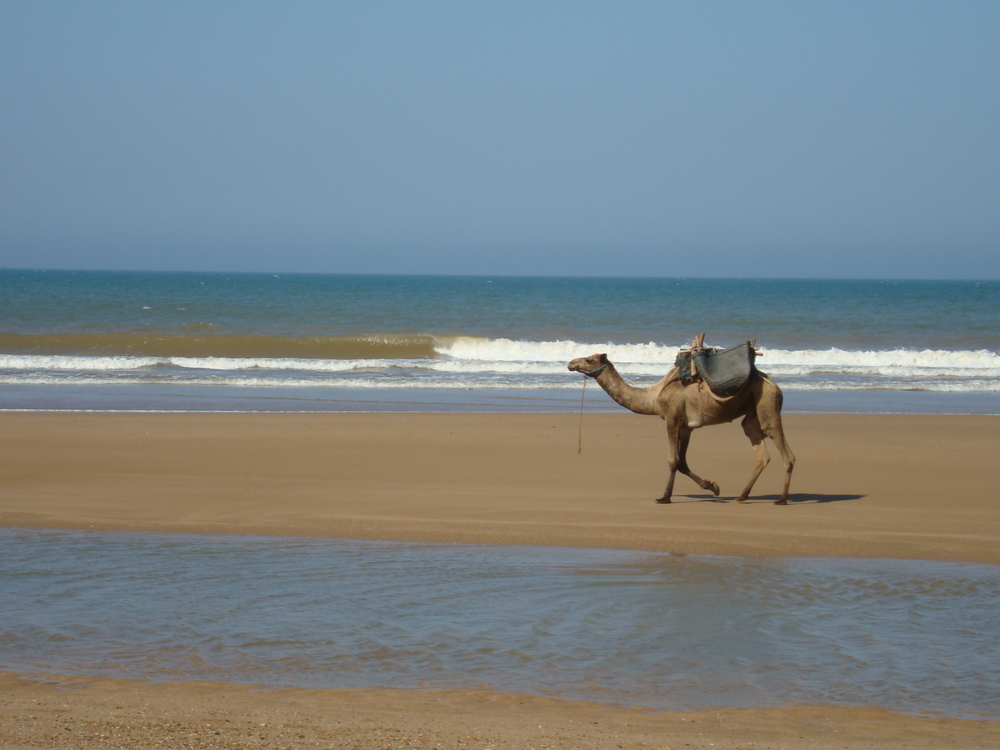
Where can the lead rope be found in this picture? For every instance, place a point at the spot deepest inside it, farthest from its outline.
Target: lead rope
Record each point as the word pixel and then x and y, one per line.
pixel 579 437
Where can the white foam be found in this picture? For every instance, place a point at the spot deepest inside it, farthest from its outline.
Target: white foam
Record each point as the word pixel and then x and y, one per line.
pixel 470 348
pixel 480 362
pixel 270 363
pixel 913 358
pixel 385 382
pixel 120 364
pixel 652 358
pixel 79 363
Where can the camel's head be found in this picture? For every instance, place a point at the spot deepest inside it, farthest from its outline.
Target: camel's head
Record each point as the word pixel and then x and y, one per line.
pixel 589 365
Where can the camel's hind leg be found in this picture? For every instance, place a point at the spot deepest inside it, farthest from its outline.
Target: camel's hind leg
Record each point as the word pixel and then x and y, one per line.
pixel 777 434
pixel 769 419
pixel 753 430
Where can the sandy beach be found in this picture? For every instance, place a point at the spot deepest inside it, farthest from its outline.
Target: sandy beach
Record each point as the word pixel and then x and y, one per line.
pixel 916 487
pixel 99 713
pixel 865 486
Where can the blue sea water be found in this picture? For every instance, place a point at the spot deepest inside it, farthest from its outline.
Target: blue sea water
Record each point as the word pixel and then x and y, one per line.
pixel 133 340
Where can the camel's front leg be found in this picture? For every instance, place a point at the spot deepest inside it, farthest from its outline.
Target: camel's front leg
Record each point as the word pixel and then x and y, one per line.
pixel 682 466
pixel 670 488
pixel 679 436
pixel 673 460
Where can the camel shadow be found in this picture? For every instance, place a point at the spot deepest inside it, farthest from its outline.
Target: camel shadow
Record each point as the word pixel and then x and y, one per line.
pixel 812 497
pixel 793 499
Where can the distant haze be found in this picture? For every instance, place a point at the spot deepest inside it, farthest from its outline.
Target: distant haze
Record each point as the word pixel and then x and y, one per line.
pixel 629 139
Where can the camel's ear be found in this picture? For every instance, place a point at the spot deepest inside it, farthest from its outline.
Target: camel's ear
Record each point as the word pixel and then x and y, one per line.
pixel 604 358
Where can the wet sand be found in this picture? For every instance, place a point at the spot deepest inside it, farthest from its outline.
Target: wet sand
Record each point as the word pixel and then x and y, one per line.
pixel 865 486
pixel 100 713
pixel 920 487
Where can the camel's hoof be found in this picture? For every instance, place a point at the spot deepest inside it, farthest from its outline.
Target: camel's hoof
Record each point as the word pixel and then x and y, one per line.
pixel 741 499
pixel 663 500
pixel 782 501
pixel 711 486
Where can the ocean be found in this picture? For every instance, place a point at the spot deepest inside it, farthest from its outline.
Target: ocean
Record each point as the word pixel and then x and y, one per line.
pixel 289 342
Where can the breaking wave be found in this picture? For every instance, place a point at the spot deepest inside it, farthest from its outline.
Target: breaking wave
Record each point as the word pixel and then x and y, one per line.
pixel 430 361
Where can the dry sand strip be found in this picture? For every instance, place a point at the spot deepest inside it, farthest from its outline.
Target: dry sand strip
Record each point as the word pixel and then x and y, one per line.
pixel 83 713
pixel 865 486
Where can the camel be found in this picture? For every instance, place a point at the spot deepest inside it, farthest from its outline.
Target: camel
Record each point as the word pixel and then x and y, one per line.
pixel 688 405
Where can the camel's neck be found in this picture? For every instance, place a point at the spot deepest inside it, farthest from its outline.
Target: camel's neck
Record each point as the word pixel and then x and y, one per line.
pixel 639 400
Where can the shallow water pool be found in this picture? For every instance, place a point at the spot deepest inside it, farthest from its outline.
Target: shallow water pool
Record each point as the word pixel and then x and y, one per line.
pixel 622 627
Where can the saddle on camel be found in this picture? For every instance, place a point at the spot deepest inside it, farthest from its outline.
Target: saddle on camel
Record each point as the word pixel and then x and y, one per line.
pixel 725 371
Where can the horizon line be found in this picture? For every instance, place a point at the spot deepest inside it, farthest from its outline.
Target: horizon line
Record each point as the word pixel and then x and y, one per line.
pixel 6 269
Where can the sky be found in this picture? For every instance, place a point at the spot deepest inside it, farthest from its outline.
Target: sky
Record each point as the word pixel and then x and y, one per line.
pixel 765 139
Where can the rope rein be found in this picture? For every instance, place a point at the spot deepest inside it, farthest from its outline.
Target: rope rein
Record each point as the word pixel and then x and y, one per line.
pixel 592 374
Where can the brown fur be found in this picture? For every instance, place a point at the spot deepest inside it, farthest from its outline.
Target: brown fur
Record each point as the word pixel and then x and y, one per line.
pixel 686 406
